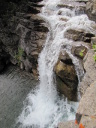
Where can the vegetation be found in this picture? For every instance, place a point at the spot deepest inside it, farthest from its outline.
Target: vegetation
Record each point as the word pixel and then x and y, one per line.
pixel 82 53
pixel 19 55
pixel 94 57
pixel 94 47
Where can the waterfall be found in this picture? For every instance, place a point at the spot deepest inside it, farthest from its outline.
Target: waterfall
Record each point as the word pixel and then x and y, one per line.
pixel 43 108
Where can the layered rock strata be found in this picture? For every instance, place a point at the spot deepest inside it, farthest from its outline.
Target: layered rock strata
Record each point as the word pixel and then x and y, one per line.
pixel 22 35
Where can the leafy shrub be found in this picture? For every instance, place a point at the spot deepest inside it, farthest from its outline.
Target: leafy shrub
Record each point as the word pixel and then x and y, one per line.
pixel 94 47
pixel 94 57
pixel 82 53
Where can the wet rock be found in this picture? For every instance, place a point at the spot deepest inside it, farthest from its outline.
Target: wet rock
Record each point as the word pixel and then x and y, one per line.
pixel 2 65
pixel 22 66
pixel 35 73
pixel 4 60
pixel 78 35
pixel 90 69
pixel 66 77
pixel 31 40
pixel 93 40
pixel 32 9
pixel 64 57
pixel 28 65
pixel 74 3
pixel 24 34
pixel 91 9
pixel 79 51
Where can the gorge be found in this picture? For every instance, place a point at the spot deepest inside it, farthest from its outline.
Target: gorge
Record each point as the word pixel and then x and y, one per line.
pixel 63 31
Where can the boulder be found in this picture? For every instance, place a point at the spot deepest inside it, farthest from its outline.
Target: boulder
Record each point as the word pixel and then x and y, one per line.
pixel 79 51
pixel 86 113
pixel 93 40
pixel 64 57
pixel 90 71
pixel 78 35
pixel 66 73
pixel 91 9
pixel 66 77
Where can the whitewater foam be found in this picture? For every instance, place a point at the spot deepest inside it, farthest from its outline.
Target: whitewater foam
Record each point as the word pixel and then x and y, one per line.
pixel 43 108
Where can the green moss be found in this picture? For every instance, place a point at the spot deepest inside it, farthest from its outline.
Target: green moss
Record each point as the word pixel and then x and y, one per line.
pixel 19 55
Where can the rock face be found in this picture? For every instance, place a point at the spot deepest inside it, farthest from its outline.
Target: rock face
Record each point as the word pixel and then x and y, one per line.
pixel 90 69
pixel 66 77
pixel 87 108
pixel 22 35
pixel 79 51
pixel 86 113
pixel 91 9
pixel 4 58
pixel 78 35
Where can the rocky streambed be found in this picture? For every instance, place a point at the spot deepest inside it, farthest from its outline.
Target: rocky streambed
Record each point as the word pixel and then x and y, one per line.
pixel 22 38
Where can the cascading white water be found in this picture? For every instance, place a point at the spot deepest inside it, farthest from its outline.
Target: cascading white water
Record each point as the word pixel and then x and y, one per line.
pixel 43 107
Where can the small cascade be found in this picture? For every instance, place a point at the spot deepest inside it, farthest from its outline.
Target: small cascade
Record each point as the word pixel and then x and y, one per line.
pixel 43 108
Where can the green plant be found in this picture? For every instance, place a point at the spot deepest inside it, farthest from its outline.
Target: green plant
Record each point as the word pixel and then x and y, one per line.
pixel 94 47
pixel 94 57
pixel 82 53
pixel 19 55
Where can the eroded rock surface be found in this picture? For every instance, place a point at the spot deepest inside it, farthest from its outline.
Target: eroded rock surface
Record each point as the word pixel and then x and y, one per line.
pixel 87 108
pixel 80 51
pixel 66 77
pixel 78 35
pixel 22 34
pixel 91 9
pixel 90 71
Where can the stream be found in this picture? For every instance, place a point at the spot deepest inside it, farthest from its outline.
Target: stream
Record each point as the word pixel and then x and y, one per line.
pixel 43 107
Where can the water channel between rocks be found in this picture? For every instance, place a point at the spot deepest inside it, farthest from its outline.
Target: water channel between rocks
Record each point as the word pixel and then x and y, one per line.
pixel 43 107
